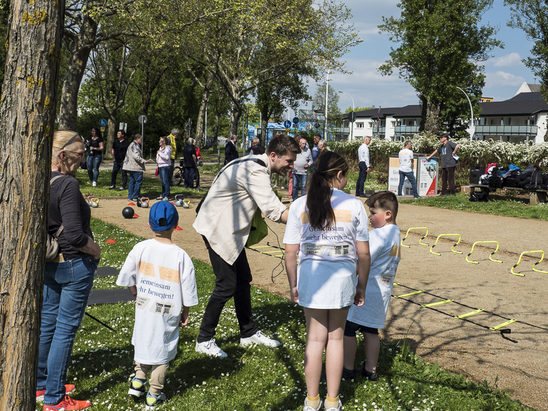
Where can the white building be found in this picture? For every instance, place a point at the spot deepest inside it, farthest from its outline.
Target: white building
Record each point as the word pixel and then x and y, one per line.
pixel 522 118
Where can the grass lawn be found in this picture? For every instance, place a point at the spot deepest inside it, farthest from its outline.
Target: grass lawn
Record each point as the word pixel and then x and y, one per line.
pixel 497 205
pixel 256 378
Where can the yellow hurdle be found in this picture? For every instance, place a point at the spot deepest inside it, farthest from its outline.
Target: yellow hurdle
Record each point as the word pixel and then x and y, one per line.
pixel 471 313
pixel 452 248
pixel 490 255
pixel 534 265
pixel 496 327
pixel 420 241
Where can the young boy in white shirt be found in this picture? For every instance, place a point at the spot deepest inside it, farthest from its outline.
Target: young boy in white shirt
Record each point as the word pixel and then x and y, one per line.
pixel 160 275
pixel 384 247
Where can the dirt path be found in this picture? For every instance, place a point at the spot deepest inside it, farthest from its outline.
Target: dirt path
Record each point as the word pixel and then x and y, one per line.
pixel 517 361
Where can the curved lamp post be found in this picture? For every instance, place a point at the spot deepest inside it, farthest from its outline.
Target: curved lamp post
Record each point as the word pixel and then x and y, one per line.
pixel 471 127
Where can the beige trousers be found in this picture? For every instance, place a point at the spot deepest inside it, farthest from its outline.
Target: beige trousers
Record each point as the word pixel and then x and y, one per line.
pixel 157 376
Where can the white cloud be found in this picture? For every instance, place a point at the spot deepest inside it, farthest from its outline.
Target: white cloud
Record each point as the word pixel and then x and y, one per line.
pixel 508 60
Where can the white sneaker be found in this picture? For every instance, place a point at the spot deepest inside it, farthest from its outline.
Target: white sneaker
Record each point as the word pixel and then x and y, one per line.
pixel 310 407
pixel 210 348
pixel 260 339
pixel 337 408
pixel 94 184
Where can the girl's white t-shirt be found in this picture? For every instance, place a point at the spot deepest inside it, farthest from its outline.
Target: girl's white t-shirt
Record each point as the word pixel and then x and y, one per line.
pixel 384 246
pixel 165 281
pixel 327 258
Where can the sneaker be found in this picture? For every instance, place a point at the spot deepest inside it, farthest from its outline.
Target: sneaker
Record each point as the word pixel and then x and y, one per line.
pixel 348 374
pixel 159 198
pixel 121 188
pixel 337 408
pixel 111 187
pixel 165 198
pixel 308 407
pixel 137 387
pixel 68 404
pixel 210 348
pixel 260 339
pixel 153 401
pixel 94 184
pixel 69 388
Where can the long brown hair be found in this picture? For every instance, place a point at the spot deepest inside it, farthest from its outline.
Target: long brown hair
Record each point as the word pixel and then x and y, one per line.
pixel 318 199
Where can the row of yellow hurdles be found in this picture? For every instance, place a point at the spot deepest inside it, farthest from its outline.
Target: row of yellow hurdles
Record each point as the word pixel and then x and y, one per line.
pixel 468 259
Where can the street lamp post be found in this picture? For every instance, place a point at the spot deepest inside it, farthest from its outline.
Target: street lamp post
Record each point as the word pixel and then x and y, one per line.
pixel 471 127
pixel 326 102
pixel 351 116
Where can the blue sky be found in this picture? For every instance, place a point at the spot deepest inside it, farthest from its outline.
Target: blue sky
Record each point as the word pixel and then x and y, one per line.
pixel 504 70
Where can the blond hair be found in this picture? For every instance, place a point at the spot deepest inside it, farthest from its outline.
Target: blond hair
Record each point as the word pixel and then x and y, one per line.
pixel 62 139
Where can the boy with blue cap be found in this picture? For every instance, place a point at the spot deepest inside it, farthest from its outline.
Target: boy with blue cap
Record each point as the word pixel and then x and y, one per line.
pixel 160 275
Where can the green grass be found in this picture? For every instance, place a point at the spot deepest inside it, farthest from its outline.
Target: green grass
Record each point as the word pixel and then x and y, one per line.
pixel 497 205
pixel 257 378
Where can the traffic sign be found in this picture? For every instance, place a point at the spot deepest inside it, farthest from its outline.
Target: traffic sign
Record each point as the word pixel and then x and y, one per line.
pixel 102 123
pixel 287 124
pixel 142 119
pixel 295 120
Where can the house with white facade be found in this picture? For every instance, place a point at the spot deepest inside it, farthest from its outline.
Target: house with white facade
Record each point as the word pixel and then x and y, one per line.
pixel 522 118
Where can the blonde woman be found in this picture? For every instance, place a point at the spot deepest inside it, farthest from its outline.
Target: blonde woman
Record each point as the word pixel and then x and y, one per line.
pixel 68 279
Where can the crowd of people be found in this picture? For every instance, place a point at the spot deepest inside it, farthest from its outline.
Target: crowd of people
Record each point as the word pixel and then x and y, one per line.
pixel 338 270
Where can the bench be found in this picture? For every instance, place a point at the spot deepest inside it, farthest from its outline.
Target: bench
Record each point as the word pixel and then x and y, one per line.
pixel 535 196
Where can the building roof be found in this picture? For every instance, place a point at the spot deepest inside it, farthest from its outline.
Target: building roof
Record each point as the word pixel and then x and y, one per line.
pixel 523 104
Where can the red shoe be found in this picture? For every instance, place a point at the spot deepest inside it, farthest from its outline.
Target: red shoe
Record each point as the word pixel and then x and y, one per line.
pixel 68 404
pixel 40 394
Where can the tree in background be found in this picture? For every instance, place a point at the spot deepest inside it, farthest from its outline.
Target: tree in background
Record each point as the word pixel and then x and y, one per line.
pixel 27 115
pixel 334 115
pixel 532 17
pixel 440 44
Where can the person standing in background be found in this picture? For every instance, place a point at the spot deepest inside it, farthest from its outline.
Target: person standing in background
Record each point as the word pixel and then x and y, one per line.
pixel 172 142
pixel 300 169
pixel 119 149
pixel 163 160
pixel 365 166
pixel 95 148
pixel 231 152
pixel 406 169
pixel 448 154
pixel 134 164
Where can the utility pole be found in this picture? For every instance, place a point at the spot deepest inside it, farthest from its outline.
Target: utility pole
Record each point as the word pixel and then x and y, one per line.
pixel 326 102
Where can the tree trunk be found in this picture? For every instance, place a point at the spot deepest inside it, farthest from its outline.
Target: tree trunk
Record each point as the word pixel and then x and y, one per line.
pixel 235 115
pixel 82 46
pixel 111 135
pixel 200 122
pixel 27 117
pixel 432 121
pixel 424 105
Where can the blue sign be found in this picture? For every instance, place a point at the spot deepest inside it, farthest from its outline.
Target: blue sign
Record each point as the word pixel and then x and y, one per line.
pixel 102 123
pixel 287 124
pixel 295 120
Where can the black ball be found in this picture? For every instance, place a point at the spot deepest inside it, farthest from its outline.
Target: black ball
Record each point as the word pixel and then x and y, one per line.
pixel 128 212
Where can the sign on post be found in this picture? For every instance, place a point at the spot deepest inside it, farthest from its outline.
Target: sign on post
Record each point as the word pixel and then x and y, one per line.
pixel 287 124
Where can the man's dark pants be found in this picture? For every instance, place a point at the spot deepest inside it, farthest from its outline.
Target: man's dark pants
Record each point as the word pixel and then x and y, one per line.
pixel 116 167
pixel 230 281
pixel 361 178
pixel 448 178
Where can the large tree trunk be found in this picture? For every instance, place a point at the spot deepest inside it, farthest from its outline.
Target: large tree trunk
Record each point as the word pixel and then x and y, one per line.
pixel 432 120
pixel 235 115
pixel 200 122
pixel 27 116
pixel 111 135
pixel 81 47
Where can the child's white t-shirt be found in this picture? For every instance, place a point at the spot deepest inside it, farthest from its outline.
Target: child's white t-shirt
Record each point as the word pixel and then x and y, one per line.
pixel 384 246
pixel 327 258
pixel 165 281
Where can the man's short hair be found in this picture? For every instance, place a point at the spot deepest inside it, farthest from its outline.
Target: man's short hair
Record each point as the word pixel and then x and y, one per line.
pixel 283 144
pixel 408 142
pixel 386 200
pixel 444 135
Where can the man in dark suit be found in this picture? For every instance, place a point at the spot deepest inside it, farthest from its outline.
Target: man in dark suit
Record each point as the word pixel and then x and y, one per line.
pixel 231 152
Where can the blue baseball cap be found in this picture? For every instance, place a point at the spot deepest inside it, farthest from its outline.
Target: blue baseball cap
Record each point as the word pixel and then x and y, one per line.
pixel 163 216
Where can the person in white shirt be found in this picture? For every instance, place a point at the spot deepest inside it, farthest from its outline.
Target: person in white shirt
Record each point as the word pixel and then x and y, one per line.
pixel 224 220
pixel 384 243
pixel 327 231
pixel 365 166
pixel 406 169
pixel 160 275
pixel 300 169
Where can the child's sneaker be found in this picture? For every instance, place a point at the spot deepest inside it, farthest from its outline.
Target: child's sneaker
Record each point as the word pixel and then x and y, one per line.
pixel 336 408
pixel 68 404
pixel 308 407
pixel 137 387
pixel 153 401
pixel 369 375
